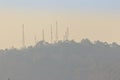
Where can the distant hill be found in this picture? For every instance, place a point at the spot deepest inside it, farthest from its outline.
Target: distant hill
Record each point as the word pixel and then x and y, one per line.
pixel 66 60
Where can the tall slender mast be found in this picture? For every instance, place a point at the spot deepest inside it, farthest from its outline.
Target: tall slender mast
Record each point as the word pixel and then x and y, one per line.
pixel 23 36
pixel 56 31
pixel 43 35
pixel 66 37
pixel 51 34
pixel 67 33
pixel 35 40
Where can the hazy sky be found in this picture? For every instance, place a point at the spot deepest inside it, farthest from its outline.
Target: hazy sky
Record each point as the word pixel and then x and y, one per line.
pixel 93 19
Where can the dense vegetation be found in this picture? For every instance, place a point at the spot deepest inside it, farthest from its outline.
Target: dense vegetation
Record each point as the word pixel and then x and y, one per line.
pixel 66 60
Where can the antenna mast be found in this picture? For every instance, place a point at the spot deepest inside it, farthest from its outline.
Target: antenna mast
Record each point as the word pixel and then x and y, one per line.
pixel 66 37
pixel 67 33
pixel 35 40
pixel 43 35
pixel 23 36
pixel 51 34
pixel 56 31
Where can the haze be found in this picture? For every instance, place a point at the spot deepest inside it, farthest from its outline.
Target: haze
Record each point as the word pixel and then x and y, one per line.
pixel 93 19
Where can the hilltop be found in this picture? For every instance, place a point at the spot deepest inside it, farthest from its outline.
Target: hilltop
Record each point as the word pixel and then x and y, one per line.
pixel 68 60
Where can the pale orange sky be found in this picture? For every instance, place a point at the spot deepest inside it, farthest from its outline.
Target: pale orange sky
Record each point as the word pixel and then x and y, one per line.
pixel 94 25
